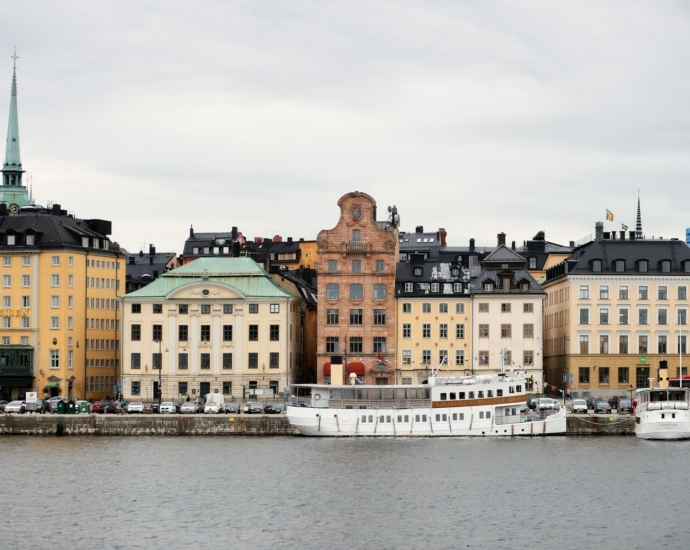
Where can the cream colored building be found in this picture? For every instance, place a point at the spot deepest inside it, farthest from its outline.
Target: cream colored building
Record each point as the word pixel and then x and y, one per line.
pixel 213 324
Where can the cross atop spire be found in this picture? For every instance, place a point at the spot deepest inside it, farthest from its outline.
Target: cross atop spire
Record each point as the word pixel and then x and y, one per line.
pixel 15 57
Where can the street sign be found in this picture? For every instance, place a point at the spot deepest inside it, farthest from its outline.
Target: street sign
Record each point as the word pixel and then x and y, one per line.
pixel 643 359
pixel 31 396
pixel 571 378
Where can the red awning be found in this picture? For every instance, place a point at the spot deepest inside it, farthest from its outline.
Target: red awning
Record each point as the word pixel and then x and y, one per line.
pixel 357 367
pixel 327 369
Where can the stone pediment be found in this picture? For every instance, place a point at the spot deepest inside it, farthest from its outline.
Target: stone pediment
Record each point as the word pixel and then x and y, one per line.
pixel 206 290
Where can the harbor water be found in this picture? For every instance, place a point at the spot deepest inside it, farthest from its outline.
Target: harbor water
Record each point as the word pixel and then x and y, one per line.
pixel 294 492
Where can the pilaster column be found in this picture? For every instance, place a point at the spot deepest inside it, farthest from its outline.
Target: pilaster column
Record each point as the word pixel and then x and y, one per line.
pixel 194 343
pixel 239 336
pixel 216 338
pixel 172 343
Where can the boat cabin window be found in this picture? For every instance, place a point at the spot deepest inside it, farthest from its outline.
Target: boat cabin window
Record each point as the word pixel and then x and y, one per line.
pixel 489 393
pixel 364 419
pixel 514 411
pixel 348 394
pixel 499 393
pixel 416 418
pixel 461 416
pixel 461 395
pixel 407 418
pixel 337 394
pixel 452 396
pixel 445 417
pixel 488 414
pixel 480 394
pixel 438 418
pixel 382 419
pixel 511 389
pixel 518 388
pixel 455 416
pixel 371 418
pixel 423 418
pixel 443 397
pixel 400 418
pixel 471 395
pixel 481 414
pixel 388 419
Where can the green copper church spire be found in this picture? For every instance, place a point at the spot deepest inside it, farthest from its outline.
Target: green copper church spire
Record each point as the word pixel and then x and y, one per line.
pixel 12 192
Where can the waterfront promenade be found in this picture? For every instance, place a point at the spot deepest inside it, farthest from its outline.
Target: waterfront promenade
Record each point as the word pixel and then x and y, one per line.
pixel 165 424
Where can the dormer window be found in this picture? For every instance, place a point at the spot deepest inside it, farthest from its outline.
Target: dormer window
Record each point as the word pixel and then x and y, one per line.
pixel 455 272
pixel 30 242
pixel 596 266
pixel 619 266
pixel 418 271
pixel 11 240
pixel 665 266
pixel 686 266
pixel 85 242
pixel 533 263
pixel 643 266
pixel 488 286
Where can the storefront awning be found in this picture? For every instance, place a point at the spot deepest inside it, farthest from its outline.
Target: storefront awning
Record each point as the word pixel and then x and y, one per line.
pixel 327 369
pixel 53 385
pixel 356 367
pixel 16 382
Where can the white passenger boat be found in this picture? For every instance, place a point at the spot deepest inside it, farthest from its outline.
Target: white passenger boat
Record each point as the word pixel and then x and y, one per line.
pixel 663 413
pixel 488 405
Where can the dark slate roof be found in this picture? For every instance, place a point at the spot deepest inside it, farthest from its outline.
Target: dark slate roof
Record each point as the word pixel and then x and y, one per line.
pixel 305 282
pixel 200 240
pixel 53 228
pixel 433 271
pixel 504 254
pixel 145 264
pixel 261 252
pixel 518 276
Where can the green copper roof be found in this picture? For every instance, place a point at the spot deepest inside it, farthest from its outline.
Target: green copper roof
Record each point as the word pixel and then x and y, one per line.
pixel 243 274
pixel 13 160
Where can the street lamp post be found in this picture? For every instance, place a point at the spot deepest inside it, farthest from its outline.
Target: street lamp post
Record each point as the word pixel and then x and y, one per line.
pixel 160 371
pixel 631 403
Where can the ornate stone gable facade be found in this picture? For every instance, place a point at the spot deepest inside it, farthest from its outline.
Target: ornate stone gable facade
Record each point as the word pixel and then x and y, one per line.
pixel 356 292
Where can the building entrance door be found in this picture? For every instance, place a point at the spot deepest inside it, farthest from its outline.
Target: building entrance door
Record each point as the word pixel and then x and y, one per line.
pixel 204 388
pixel 382 381
pixel 641 377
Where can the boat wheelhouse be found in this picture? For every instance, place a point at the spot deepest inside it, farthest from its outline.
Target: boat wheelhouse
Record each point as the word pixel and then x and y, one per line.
pixel 488 405
pixel 663 413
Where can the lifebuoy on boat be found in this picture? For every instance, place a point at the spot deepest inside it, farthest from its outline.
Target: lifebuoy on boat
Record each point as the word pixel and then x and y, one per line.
pixel 317 397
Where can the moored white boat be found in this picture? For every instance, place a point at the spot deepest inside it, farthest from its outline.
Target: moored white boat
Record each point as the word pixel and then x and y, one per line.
pixel 447 406
pixel 663 413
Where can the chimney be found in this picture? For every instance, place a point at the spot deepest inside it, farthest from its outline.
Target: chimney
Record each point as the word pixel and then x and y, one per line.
pixel 419 229
pixel 442 236
pixel 632 235
pixel 501 239
pixel 471 245
pixel 277 239
pixel 191 231
pixel 513 246
pixel 155 274
pixel 234 233
pixel 152 249
pixel 289 240
pixel 599 230
pixel 56 209
pixel 622 235
pixel 141 253
pixel 3 209
pixel 572 244
pixel 258 240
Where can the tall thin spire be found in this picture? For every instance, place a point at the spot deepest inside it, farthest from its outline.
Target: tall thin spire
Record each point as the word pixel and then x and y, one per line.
pixel 638 229
pixel 12 168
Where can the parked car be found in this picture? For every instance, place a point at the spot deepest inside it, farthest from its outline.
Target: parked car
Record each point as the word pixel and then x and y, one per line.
pixel 602 406
pixel 104 406
pixel 579 406
pixel 211 408
pixel 189 407
pixel 56 399
pixel 253 407
pixel 624 404
pixel 274 408
pixel 167 407
pixel 135 407
pixel 232 407
pixel 547 404
pixel 15 407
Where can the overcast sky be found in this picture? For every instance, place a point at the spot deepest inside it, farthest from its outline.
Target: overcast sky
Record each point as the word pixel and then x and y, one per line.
pixel 478 117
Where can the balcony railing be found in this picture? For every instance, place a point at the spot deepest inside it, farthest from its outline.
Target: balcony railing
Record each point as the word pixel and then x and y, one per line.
pixel 355 247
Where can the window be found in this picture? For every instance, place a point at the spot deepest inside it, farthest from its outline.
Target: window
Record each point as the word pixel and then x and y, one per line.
pixel 70 302
pixel 505 308
pixel 7 281
pixel 426 330
pixel 379 316
pixel 459 308
pixel 584 343
pixel 528 330
pixel 332 291
pixel 484 331
pixel 443 330
pixel 25 322
pixel 6 322
pixel 253 308
pixel 532 263
pixel 622 292
pixel 407 330
pixel 136 308
pixel 426 357
pixel 54 302
pixel 6 302
pixel 434 287
pixel 528 357
pixel 182 388
pixel 604 375
pixel 418 271
pixel 443 308
pixel 379 266
pixel 55 280
pixel 273 360
pixel 406 357
pixel 356 266
pixel 623 375
pixel 332 316
pixel 596 265
pixel 603 316
pixel 457 287
pixel 356 344
pixel 643 317
pixel 603 343
pixel 355 316
pixel 584 316
pixel 227 309
pixel 135 360
pixel 662 317
pixel 274 308
pixel 681 347
pixel 55 322
pixel 54 358
pixel 483 308
pixel 484 357
pixel 583 377
pixel 157 333
pixel 135 332
pixel 407 307
pixel 459 357
pixel 603 292
pixel 158 308
pixel 26 301
pixel 459 331
pixel 332 345
pixel 623 344
pixel 409 287
pixel 426 307
pixel 332 266
pixel 642 293
pixel 205 363
pixel 623 316
pixel 183 333
pixel 506 331
pixel 665 266
pixel 274 333
pixel 683 292
pixel 227 333
pixel 642 343
pixel 662 344
pixel 356 291
pixel 584 292
pixel 356 236
pixel 182 361
pixel 70 281
pixel 379 292
pixel 136 387
pixel 642 266
pixel 619 266
pixel 379 344
pixel 253 333
pixel 682 316
pixel 527 308
pixel 26 281
pixel 205 309
pixel 662 293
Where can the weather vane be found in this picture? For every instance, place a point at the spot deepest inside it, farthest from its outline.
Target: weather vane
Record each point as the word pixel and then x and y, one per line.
pixel 15 57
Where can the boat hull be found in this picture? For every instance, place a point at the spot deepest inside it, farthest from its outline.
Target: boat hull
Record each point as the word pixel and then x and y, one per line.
pixel 650 427
pixel 327 422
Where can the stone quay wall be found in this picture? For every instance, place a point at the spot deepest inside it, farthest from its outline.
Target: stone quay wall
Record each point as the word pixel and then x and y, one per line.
pixel 96 424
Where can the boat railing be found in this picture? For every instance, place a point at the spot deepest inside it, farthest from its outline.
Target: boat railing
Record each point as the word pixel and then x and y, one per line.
pixel 659 405
pixel 362 403
pixel 532 416
pixel 299 401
